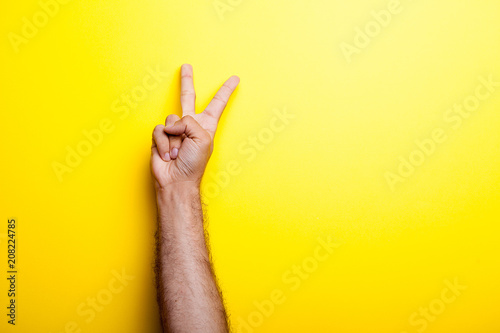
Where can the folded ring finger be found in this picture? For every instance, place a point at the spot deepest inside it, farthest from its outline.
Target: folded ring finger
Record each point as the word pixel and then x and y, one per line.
pixel 174 140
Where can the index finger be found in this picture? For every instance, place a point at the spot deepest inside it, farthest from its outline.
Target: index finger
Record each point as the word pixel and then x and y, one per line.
pixel 219 102
pixel 188 95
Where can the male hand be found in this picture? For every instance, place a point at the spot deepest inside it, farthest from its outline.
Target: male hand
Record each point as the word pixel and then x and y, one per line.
pixel 181 149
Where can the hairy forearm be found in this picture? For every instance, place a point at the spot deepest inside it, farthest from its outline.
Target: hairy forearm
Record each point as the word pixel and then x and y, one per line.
pixel 188 295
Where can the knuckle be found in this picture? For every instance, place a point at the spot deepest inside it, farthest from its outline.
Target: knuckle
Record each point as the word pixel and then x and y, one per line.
pixel 172 117
pixel 206 137
pixel 158 128
pixel 188 93
pixel 221 99
pixel 188 118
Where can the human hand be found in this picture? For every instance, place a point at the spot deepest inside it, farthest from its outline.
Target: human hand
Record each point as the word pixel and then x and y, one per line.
pixel 181 149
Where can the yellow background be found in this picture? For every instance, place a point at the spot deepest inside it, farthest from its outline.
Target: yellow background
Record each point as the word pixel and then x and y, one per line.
pixel 323 174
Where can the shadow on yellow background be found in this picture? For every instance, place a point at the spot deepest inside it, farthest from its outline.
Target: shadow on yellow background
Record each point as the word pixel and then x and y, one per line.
pixel 354 182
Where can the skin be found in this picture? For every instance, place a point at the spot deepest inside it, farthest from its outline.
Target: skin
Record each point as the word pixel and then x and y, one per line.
pixel 188 295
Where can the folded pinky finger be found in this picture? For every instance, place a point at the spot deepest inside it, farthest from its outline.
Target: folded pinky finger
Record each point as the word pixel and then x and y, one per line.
pixel 160 142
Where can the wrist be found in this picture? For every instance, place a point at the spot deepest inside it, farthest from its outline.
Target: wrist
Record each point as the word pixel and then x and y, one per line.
pixel 179 209
pixel 177 194
pixel 178 189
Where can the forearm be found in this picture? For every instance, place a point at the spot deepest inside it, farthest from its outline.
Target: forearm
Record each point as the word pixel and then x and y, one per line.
pixel 188 296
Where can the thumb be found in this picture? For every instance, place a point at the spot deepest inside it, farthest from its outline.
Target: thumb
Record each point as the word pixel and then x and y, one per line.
pixel 187 125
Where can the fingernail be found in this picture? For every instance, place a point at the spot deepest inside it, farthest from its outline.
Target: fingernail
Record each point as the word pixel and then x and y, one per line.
pixel 175 151
pixel 167 157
